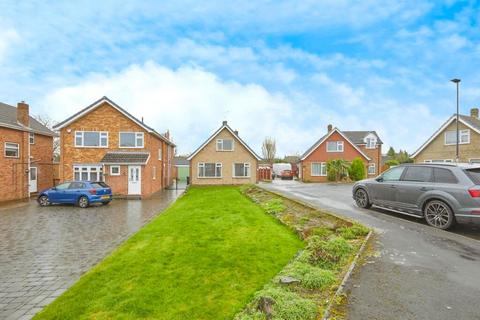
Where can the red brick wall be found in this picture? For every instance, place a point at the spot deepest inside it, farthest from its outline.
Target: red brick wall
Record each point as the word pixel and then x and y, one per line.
pixel 13 176
pixel 320 154
pixel 107 118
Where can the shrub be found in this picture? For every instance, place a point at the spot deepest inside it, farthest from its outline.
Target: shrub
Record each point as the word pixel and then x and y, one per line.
pixel 337 169
pixel 273 206
pixel 328 253
pixel 288 305
pixel 392 163
pixel 357 170
pixel 353 232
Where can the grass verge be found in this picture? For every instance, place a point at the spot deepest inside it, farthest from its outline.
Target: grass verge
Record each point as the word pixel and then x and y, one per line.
pixel 303 289
pixel 203 258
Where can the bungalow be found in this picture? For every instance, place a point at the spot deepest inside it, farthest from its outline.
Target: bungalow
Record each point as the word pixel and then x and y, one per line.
pixel 104 142
pixel 346 145
pixel 26 153
pixel 223 159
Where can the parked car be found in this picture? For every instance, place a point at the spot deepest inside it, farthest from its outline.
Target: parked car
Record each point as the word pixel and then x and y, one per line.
pixel 81 193
pixel 286 175
pixel 439 193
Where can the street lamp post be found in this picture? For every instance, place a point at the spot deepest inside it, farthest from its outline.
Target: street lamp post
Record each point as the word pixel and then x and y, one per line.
pixel 457 82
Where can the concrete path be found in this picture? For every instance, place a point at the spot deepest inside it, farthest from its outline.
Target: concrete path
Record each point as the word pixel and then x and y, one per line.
pixel 44 250
pixel 419 273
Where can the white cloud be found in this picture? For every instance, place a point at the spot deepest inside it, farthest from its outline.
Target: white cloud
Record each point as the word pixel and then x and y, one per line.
pixel 8 36
pixel 192 103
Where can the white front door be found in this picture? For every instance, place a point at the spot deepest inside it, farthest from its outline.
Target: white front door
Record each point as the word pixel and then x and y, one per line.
pixel 134 180
pixel 32 181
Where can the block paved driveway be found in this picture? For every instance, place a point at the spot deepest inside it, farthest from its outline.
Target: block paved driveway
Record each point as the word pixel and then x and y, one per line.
pixel 44 250
pixel 418 272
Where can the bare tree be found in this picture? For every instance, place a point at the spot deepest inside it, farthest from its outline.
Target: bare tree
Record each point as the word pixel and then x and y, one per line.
pixel 269 149
pixel 49 123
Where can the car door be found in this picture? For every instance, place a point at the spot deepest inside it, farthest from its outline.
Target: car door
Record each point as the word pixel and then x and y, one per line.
pixel 383 189
pixel 74 191
pixel 58 194
pixel 415 182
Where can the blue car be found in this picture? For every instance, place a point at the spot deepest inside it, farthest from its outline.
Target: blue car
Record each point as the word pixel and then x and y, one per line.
pixel 81 193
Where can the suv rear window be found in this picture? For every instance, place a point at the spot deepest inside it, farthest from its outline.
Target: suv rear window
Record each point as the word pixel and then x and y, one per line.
pixel 99 185
pixel 474 175
pixel 444 176
pixel 419 174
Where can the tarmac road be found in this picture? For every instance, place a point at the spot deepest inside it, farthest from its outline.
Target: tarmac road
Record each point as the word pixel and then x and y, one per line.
pixel 418 272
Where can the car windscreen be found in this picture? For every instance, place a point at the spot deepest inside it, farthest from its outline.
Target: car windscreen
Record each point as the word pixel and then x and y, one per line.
pixel 474 175
pixel 99 185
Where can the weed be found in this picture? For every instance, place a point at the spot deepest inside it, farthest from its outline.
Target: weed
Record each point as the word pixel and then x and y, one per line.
pixel 311 277
pixel 322 232
pixel 274 206
pixel 288 305
pixel 354 232
pixel 328 253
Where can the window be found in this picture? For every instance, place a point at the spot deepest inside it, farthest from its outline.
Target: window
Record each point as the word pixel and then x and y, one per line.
pixel 475 160
pixel 160 154
pixel 451 137
pixel 474 175
pixel 77 185
pixel 131 140
pixel 418 174
pixel 371 169
pixel 209 170
pixel 94 139
pixel 439 161
pixel 241 170
pixel 335 146
pixel 319 169
pixel 31 138
pixel 371 143
pixel 225 145
pixel 63 186
pixel 12 150
pixel 154 173
pixel 393 174
pixel 114 170
pixel 88 173
pixel 443 176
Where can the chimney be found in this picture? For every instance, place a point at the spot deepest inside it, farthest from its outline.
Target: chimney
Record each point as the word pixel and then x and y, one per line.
pixel 23 113
pixel 474 113
pixel 329 127
pixel 224 123
pixel 236 132
pixel 167 134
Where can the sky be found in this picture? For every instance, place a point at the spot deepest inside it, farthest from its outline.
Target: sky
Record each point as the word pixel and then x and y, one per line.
pixel 284 69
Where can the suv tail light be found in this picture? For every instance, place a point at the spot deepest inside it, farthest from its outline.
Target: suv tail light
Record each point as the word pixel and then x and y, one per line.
pixel 93 191
pixel 474 193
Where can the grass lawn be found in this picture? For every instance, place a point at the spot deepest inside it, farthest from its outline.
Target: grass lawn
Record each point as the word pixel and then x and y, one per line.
pixel 203 258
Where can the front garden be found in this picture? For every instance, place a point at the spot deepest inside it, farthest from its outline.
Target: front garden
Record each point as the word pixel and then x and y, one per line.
pixel 216 254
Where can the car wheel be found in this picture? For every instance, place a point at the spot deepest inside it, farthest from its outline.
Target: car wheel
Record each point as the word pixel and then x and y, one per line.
pixel 43 201
pixel 105 203
pixel 83 202
pixel 361 199
pixel 439 215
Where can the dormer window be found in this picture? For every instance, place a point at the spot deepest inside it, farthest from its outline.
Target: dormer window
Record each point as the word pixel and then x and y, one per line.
pixel 371 142
pixel 224 144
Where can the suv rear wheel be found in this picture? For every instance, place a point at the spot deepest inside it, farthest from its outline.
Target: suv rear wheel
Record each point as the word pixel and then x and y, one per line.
pixel 361 199
pixel 439 215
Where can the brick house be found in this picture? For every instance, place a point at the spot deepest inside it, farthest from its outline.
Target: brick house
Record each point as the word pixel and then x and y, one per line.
pixel 441 146
pixel 105 142
pixel 223 159
pixel 346 145
pixel 26 153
